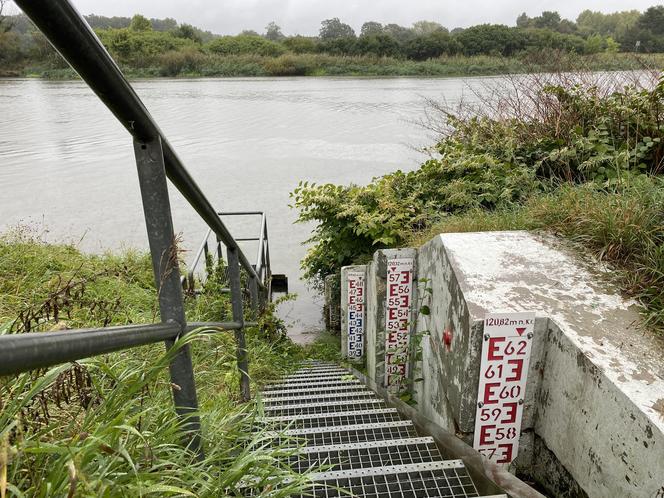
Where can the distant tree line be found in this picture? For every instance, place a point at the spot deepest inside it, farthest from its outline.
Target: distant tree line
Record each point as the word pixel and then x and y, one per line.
pixel 137 41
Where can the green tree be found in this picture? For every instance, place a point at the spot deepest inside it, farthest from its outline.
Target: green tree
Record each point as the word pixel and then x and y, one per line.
pixel 300 44
pixel 332 29
pixel 399 33
pixel 490 39
pixel 612 46
pixel 380 45
pixel 339 46
pixel 595 44
pixel 140 23
pixel 431 46
pixel 189 32
pixel 273 32
pixel 421 28
pixel 523 21
pixel 548 20
pixel 166 24
pixel 653 20
pixel 615 24
pixel 371 28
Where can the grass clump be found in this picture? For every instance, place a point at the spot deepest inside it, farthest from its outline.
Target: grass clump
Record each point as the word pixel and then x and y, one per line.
pixel 105 426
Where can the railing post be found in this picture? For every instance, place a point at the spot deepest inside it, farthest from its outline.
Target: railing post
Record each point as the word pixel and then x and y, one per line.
pixel 220 256
pixel 238 316
pixel 253 294
pixel 157 209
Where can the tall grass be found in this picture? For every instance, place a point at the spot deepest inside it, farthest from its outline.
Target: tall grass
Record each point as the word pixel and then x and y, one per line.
pixel 106 426
pixel 622 226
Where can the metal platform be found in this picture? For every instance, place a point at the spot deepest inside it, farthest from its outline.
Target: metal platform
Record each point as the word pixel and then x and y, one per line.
pixel 349 441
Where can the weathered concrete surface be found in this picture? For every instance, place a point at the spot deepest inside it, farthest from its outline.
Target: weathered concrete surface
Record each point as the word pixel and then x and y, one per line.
pixel 596 382
pixel 344 308
pixel 376 289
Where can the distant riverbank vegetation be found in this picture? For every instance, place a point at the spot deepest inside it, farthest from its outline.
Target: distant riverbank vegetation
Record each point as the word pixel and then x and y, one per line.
pixel 162 47
pixel 577 155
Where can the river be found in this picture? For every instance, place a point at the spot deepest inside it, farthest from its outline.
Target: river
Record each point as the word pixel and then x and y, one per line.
pixel 67 166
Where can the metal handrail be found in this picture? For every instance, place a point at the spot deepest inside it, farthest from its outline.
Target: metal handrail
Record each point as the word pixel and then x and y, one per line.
pixel 156 161
pixel 261 266
pixel 71 345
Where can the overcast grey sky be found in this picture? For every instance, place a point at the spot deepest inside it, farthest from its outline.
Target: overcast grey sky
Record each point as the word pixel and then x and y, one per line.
pixel 304 16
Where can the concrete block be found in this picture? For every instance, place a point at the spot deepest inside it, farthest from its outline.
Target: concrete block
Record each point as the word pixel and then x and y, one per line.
pixel 595 393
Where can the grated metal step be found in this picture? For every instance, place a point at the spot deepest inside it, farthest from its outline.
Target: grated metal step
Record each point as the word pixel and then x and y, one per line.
pixel 419 480
pixel 308 390
pixel 356 433
pixel 333 419
pixel 358 455
pixel 349 441
pixel 319 408
pixel 313 385
pixel 312 398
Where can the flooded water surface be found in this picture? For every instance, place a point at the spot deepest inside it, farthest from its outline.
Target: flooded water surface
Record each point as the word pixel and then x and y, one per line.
pixel 67 165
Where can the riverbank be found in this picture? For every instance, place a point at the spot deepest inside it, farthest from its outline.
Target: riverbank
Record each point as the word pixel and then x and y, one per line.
pixel 188 64
pixel 578 157
pixel 106 424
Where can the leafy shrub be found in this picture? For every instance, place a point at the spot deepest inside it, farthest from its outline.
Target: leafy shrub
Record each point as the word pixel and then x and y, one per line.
pixel 245 44
pixel 141 47
pixel 187 61
pixel 300 44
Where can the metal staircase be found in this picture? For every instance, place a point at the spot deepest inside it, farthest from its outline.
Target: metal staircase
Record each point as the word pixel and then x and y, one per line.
pixel 364 447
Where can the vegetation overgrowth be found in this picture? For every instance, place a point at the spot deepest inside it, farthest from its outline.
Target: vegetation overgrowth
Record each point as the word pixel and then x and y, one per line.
pixel 580 155
pixel 162 47
pixel 106 426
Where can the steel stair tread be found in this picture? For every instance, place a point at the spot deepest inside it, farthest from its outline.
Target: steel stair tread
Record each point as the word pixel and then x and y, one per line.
pixel 346 438
pixel 308 399
pixel 366 454
pixel 444 478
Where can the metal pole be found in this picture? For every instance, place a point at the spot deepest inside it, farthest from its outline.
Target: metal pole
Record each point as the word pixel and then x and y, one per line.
pixel 220 256
pixel 253 294
pixel 238 316
pixel 157 209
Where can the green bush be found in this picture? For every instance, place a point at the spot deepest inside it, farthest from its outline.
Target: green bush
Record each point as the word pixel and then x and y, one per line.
pixel 176 62
pixel 301 44
pixel 141 47
pixel 244 44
